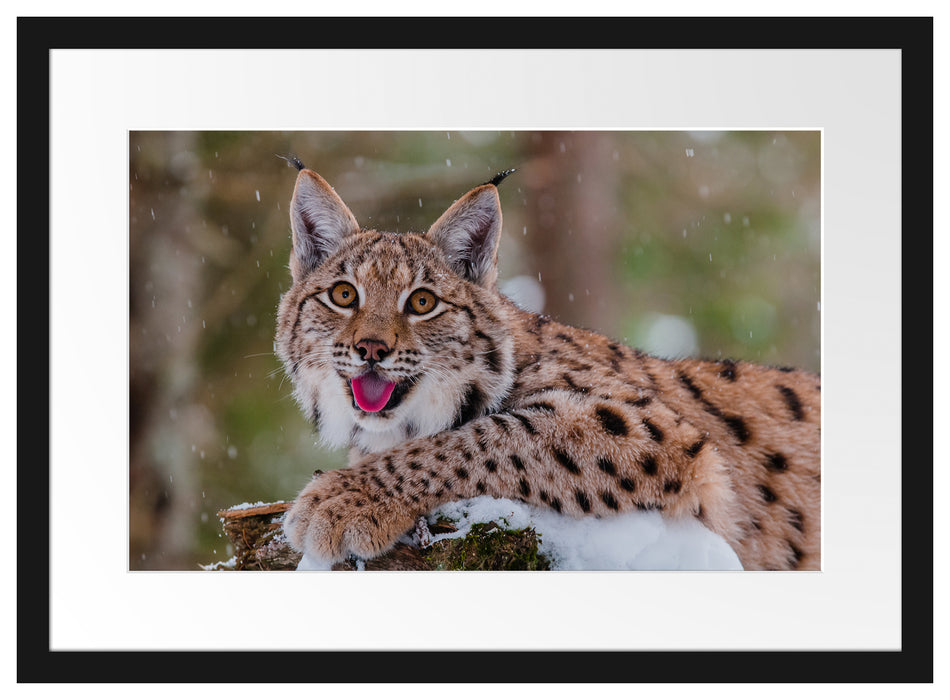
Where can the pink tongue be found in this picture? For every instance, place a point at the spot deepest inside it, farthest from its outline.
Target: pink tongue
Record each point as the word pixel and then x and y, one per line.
pixel 372 392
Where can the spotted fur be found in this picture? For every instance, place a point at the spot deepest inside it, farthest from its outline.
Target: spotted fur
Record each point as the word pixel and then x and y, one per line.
pixel 492 399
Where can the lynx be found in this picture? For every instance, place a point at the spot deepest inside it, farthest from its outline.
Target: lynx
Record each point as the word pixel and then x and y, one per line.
pixel 401 347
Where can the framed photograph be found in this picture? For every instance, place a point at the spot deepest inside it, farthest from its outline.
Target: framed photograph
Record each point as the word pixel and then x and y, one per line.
pixel 646 151
pixel 681 244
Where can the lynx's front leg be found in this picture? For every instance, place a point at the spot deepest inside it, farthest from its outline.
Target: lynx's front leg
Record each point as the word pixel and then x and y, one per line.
pixel 347 511
pixel 573 454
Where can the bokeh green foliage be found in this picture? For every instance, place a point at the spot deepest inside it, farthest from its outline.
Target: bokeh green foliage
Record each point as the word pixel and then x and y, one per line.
pixel 719 230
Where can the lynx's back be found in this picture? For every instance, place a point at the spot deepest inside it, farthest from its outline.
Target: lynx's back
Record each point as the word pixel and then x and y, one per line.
pixel 401 347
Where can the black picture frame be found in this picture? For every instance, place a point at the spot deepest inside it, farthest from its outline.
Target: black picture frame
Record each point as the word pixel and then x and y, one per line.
pixel 36 37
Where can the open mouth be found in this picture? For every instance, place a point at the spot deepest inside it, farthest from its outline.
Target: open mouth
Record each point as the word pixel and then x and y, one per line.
pixel 372 393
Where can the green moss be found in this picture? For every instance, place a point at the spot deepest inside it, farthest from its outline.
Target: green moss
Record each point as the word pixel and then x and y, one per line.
pixel 488 547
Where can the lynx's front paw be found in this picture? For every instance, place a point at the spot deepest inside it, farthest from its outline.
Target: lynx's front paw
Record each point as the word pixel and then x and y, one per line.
pixel 336 515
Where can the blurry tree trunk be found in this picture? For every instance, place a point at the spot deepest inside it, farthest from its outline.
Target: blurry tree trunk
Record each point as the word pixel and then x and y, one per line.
pixel 162 348
pixel 570 238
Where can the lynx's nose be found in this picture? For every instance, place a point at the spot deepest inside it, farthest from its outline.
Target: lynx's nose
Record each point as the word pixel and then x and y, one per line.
pixel 373 350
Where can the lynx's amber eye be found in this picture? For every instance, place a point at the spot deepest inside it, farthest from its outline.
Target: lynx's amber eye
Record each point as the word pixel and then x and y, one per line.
pixel 421 301
pixel 343 294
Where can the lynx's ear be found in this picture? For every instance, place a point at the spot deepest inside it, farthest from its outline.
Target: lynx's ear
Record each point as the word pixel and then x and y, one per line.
pixel 468 234
pixel 319 220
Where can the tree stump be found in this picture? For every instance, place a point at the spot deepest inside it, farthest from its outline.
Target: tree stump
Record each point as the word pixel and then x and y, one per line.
pixel 260 545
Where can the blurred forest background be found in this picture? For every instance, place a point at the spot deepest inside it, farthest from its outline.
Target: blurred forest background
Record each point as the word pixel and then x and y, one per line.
pixel 680 243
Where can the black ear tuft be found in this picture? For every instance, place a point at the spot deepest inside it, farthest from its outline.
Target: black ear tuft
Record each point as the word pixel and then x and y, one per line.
pixel 500 176
pixel 293 161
